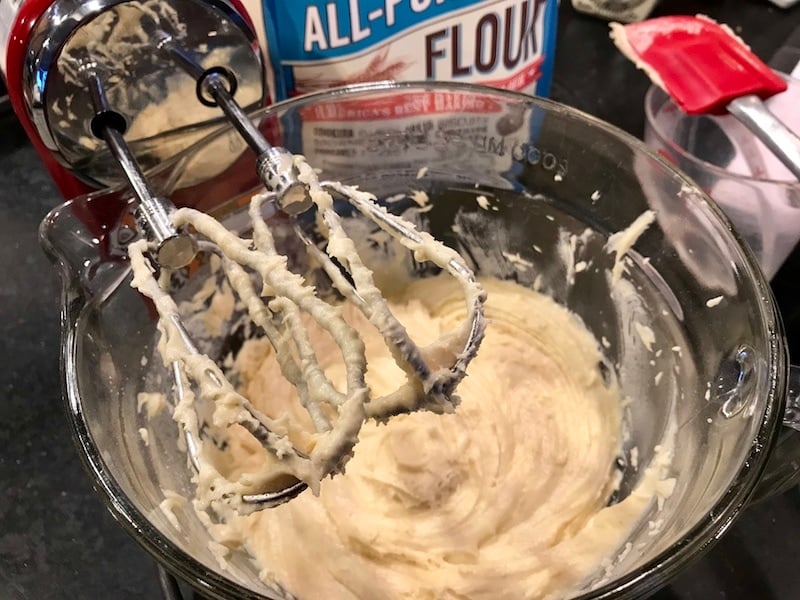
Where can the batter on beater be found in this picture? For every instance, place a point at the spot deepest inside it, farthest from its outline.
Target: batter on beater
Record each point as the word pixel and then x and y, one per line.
pixel 277 300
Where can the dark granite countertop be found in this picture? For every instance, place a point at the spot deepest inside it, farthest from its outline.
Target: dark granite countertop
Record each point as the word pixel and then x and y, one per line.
pixel 56 538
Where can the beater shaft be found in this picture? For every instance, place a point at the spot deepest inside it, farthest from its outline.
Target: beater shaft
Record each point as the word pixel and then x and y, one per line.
pixel 173 249
pixel 275 166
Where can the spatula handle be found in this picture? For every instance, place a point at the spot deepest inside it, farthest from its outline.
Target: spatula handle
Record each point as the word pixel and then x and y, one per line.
pixel 752 112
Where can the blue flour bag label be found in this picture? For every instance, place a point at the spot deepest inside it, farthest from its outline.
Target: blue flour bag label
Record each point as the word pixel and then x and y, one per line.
pixel 318 44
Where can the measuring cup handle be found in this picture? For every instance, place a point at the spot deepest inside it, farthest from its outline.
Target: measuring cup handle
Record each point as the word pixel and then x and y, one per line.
pixel 783 468
pixel 784 143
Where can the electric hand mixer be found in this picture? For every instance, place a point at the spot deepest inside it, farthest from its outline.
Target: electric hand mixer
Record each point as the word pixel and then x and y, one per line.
pixel 91 73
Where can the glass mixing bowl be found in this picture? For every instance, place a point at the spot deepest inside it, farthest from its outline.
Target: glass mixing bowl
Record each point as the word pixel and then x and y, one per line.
pixel 713 385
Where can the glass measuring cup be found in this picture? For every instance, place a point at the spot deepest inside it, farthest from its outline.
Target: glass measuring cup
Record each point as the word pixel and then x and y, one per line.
pixel 547 169
pixel 756 191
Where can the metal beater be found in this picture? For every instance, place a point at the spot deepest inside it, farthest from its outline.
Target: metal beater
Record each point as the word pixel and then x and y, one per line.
pixel 170 45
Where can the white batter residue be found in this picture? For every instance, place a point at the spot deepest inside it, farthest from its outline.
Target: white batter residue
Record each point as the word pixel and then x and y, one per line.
pixel 620 39
pixel 171 501
pixel 646 334
pixel 144 434
pixel 153 402
pixel 622 241
pixel 420 198
pixel 516 259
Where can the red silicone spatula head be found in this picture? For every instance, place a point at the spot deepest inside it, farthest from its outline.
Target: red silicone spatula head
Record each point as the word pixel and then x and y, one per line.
pixel 701 64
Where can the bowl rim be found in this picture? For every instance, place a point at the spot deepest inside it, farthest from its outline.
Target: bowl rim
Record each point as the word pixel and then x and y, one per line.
pixel 645 579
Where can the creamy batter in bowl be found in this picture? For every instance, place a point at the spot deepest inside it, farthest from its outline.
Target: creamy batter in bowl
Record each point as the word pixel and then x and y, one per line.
pixel 685 323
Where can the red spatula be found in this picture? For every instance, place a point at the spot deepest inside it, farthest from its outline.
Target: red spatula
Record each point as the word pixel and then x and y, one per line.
pixel 707 69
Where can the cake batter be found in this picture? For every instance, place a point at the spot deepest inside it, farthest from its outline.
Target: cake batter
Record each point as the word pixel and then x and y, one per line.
pixel 504 498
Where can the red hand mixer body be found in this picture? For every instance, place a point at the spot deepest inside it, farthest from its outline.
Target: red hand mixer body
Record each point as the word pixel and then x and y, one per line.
pixel 42 40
